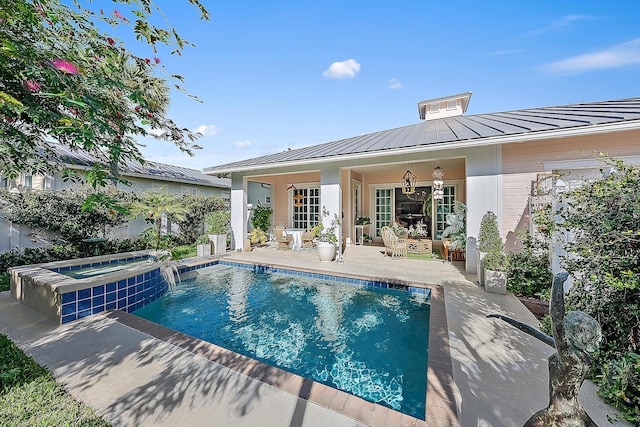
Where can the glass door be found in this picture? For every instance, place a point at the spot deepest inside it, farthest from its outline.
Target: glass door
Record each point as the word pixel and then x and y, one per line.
pixel 384 208
pixel 443 207
pixel 306 210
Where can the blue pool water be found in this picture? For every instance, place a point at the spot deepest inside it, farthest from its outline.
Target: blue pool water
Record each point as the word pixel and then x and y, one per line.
pixel 365 341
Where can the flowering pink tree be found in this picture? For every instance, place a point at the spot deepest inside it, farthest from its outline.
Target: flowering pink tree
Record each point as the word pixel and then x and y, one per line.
pixel 64 81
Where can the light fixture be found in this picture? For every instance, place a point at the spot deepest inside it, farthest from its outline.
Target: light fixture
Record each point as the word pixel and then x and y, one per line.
pixel 297 197
pixel 408 182
pixel 438 183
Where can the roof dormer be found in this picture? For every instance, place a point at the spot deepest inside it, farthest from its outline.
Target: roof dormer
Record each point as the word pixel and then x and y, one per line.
pixel 454 105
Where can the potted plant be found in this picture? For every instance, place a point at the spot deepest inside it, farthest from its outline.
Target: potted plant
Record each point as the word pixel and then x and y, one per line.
pixel 217 225
pixel 261 217
pixel 327 237
pixel 488 241
pixel 203 246
pixel 258 236
pixel 363 220
pixel 456 230
pixel 495 276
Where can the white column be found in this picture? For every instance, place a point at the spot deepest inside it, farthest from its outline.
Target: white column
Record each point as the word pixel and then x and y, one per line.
pixel 331 197
pixel 484 192
pixel 238 211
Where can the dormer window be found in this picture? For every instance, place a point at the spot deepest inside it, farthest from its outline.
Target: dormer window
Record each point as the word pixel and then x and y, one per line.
pixel 448 106
pixel 434 108
pixel 452 104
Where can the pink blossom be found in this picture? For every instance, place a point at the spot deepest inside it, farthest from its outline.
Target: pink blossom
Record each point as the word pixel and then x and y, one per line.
pixel 147 60
pixel 111 41
pixel 33 85
pixel 65 66
pixel 157 60
pixel 119 15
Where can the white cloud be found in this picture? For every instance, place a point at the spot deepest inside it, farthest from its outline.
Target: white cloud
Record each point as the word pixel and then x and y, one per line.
pixel 394 84
pixel 560 24
pixel 614 57
pixel 342 70
pixel 242 144
pixel 208 130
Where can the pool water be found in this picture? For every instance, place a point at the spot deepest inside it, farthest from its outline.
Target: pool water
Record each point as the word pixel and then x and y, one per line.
pixel 365 341
pixel 103 268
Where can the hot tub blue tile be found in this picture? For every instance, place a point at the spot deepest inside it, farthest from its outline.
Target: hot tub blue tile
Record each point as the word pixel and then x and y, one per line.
pixel 122 293
pixel 131 300
pixel 84 294
pixel 131 281
pixel 68 308
pixel 110 306
pixel 84 313
pixel 122 303
pixel 98 290
pixel 69 297
pixel 98 309
pixel 84 304
pixel 111 287
pixel 96 301
pixel 139 278
pixel 122 284
pixel 69 318
pixel 110 297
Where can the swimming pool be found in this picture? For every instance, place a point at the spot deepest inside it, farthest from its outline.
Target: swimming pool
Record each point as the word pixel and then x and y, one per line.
pixel 369 342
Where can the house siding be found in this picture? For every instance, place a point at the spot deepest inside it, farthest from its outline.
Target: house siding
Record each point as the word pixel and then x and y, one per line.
pixel 523 161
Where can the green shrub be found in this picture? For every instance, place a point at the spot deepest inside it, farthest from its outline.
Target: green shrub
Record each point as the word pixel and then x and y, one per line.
pixel 185 251
pixel 261 217
pixel 489 236
pixel 495 260
pixel 192 223
pixel 529 271
pixel 217 222
pixel 619 382
pixel 5 281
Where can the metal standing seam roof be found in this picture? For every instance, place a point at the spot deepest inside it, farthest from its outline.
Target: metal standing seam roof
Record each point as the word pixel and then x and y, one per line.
pixel 455 129
pixel 150 170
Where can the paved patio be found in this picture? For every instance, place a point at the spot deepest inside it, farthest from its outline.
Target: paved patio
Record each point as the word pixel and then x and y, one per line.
pixel 135 379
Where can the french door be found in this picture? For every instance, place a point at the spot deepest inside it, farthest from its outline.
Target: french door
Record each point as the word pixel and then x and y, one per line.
pixel 306 210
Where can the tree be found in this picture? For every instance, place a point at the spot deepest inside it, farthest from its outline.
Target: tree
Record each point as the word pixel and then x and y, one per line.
pixel 64 80
pixel 156 205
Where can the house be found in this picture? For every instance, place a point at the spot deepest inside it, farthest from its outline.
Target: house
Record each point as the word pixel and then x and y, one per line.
pixel 492 162
pixel 175 179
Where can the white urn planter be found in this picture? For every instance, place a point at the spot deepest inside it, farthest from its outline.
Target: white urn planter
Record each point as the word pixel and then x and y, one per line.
pixel 219 243
pixel 204 249
pixel 480 267
pixel 495 281
pixel 326 251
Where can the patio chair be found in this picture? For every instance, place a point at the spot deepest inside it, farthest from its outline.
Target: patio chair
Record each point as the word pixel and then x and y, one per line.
pixel 307 239
pixel 282 238
pixel 394 246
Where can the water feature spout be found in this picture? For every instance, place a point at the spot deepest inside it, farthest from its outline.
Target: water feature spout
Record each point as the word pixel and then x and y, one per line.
pixel 169 273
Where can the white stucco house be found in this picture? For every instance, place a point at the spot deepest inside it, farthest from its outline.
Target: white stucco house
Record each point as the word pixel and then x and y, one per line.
pixel 491 162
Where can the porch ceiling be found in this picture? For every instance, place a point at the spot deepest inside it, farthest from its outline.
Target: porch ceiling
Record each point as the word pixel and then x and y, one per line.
pixel 383 168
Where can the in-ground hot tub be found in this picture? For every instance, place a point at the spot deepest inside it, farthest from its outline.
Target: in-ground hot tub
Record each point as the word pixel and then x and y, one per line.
pixel 64 291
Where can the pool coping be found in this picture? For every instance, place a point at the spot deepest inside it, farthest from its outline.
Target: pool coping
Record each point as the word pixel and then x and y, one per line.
pixel 440 401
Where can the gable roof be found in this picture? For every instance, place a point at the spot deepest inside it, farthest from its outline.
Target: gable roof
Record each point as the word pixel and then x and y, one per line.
pixel 458 132
pixel 149 170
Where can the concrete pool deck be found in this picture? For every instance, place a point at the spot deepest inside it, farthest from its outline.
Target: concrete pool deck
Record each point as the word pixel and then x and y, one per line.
pixel 134 379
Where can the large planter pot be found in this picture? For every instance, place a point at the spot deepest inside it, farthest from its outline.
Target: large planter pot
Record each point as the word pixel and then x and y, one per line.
pixel 480 267
pixel 326 251
pixel 219 243
pixel 204 250
pixel 495 281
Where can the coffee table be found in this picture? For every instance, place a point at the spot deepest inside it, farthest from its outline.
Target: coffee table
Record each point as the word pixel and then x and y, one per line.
pixel 419 246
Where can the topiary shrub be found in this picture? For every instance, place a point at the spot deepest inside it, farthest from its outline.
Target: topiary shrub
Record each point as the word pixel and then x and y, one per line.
pixel 489 236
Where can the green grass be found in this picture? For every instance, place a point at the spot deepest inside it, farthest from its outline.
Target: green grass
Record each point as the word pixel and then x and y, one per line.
pixel 4 282
pixel 29 396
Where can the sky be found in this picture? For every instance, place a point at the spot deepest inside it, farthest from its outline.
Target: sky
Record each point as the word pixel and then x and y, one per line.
pixel 274 75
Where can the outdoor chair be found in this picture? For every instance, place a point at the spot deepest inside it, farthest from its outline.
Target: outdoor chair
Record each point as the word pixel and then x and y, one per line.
pixel 282 238
pixel 394 246
pixel 307 239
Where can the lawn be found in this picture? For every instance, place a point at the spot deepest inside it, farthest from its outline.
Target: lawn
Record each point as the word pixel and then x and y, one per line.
pixel 29 396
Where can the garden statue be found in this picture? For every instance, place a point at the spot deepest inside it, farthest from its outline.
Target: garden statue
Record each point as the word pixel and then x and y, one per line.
pixel 575 335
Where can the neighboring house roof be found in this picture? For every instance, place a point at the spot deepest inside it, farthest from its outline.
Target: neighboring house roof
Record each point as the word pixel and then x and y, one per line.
pixel 459 132
pixel 149 170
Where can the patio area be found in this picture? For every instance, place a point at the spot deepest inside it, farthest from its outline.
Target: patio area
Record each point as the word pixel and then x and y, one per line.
pixel 135 378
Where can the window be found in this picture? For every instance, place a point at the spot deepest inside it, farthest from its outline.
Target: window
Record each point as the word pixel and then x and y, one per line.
pixel 267 199
pixel 452 105
pixel 384 204
pixel 27 181
pixel 443 207
pixel 357 200
pixel 308 214
pixel 434 108
pixel 190 191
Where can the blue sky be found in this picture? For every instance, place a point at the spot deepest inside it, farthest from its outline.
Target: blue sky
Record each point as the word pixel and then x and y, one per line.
pixel 278 75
